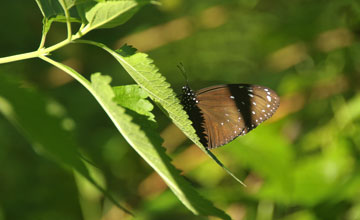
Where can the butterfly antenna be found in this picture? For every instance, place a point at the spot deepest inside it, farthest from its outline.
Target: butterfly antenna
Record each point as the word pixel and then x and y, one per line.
pixel 183 72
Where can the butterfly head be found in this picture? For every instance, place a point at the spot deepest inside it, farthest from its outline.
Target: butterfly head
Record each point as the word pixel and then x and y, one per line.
pixel 188 98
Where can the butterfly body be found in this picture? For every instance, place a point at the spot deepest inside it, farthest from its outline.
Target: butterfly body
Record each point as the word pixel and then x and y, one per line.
pixel 223 112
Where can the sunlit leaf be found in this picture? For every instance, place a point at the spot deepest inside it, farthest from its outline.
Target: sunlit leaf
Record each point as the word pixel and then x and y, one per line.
pixel 107 14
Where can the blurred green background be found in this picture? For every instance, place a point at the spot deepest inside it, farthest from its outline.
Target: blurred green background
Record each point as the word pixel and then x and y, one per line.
pixel 302 164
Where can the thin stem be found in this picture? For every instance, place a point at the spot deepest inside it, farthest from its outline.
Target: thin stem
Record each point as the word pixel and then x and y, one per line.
pixel 69 71
pixel 80 31
pixel 39 52
pixel 57 46
pixel 68 23
pixel 84 29
pixel 43 36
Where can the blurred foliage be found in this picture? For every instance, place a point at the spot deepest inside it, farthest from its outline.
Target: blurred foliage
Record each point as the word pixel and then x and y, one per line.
pixel 303 164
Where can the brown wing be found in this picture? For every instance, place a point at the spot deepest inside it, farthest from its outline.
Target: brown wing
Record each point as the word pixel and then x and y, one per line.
pixel 232 110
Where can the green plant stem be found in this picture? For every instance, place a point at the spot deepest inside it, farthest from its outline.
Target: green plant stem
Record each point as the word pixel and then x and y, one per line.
pixel 68 23
pixel 17 57
pixel 43 36
pixel 41 51
pixel 69 71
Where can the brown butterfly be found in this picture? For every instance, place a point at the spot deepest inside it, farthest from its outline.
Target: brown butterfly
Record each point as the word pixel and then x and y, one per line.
pixel 223 112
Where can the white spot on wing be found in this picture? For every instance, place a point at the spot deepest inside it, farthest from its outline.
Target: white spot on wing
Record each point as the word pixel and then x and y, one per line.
pixel 268 98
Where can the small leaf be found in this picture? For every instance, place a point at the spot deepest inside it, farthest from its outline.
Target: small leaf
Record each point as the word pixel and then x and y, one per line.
pixel 107 14
pixel 133 97
pixel 52 10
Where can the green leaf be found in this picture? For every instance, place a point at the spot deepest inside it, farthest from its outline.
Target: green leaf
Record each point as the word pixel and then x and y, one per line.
pixel 144 72
pixel 39 121
pixel 133 97
pixel 146 141
pixel 52 10
pixel 107 14
pixel 70 3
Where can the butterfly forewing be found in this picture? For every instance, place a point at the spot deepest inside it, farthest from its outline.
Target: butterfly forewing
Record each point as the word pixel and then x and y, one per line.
pixel 222 119
pixel 221 113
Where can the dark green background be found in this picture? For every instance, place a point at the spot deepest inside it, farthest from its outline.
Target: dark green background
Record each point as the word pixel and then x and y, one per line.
pixel 304 164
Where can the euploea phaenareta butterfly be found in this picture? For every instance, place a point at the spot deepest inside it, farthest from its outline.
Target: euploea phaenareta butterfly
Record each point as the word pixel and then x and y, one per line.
pixel 221 113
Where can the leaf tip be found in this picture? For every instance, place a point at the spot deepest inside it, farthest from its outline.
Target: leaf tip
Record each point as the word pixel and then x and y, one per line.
pixel 126 50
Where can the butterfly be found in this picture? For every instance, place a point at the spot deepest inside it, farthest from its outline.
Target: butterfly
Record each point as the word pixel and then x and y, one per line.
pixel 223 112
